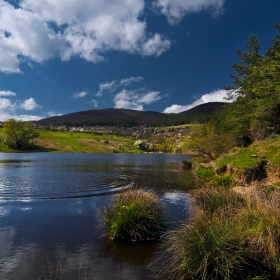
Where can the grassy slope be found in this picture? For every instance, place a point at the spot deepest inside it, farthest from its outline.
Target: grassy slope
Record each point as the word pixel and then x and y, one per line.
pixel 268 149
pixel 50 141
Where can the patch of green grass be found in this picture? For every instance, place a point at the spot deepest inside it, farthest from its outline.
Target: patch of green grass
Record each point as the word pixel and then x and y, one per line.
pixel 77 142
pixel 222 180
pixel 268 149
pixel 134 214
pixel 205 174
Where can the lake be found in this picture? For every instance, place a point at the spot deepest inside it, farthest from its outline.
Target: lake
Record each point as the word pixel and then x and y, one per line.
pixel 49 205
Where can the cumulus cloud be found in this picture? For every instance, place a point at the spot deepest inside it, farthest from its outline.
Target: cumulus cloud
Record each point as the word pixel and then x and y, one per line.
pixel 135 100
pixel 175 10
pixel 40 30
pixel 215 96
pixel 29 104
pixel 7 93
pixel 80 94
pixel 8 110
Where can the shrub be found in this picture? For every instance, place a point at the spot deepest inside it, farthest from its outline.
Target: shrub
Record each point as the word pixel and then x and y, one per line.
pixel 134 214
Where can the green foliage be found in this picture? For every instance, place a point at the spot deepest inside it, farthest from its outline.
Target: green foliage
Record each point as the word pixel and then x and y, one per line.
pixel 255 110
pixel 267 149
pixel 17 134
pixel 222 180
pixel 205 174
pixel 75 142
pixel 171 120
pixel 133 215
pixel 207 142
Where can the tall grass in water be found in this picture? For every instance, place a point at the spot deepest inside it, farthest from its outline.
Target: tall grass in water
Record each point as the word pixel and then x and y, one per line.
pixel 228 237
pixel 134 214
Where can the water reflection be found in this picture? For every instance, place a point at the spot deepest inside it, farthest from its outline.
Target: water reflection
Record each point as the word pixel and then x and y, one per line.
pixel 49 212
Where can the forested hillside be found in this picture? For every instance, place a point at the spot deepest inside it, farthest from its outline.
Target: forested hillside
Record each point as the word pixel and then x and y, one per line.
pixel 129 118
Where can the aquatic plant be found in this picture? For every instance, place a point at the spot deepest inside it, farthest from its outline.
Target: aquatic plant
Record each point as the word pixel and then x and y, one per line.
pixel 135 214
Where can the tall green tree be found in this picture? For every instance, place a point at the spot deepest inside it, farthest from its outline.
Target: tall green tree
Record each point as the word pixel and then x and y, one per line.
pixel 17 134
pixel 256 88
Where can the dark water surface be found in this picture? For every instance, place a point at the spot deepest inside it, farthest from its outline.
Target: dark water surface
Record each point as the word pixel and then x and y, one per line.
pixel 49 205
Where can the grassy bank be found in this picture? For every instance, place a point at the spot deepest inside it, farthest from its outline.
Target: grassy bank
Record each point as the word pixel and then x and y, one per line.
pixel 268 149
pixel 229 236
pixel 77 142
pixel 234 230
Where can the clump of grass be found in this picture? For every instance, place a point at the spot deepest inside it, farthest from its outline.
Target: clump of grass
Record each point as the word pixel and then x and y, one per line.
pixel 205 248
pixel 222 180
pixel 213 199
pixel 134 214
pixel 205 174
pixel 230 236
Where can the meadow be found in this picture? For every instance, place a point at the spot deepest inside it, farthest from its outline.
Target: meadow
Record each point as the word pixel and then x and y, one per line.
pixel 78 142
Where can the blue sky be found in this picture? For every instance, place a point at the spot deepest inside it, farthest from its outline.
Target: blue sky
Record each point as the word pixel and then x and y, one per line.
pixel 58 57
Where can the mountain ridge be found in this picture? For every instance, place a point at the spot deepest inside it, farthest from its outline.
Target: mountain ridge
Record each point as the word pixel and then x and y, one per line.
pixel 129 117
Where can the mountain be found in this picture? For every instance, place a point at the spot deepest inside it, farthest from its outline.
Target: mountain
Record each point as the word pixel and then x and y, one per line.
pixel 128 118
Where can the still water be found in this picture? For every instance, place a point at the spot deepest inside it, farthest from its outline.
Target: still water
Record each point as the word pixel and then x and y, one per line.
pixel 49 205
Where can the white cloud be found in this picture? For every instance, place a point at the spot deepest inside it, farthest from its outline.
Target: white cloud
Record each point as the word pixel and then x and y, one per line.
pixel 128 81
pixel 80 94
pixel 28 117
pixel 40 30
pixel 135 100
pixel 51 114
pixel 106 86
pixel 150 97
pixel 155 46
pixel 7 93
pixel 214 96
pixel 94 102
pixel 114 85
pixel 29 104
pixel 175 10
pixel 8 111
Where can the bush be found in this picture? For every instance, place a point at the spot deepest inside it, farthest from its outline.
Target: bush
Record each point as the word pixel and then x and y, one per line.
pixel 134 214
